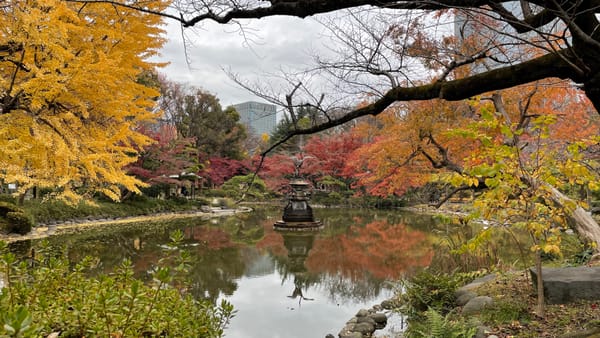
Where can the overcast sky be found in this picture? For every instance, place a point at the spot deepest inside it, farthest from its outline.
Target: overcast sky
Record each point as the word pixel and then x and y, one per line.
pixel 269 44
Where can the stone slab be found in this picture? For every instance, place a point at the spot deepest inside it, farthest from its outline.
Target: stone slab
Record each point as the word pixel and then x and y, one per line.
pixel 569 284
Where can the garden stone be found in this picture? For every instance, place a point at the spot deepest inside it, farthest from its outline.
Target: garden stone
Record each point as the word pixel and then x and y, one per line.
pixel 365 320
pixel 380 320
pixel 329 336
pixel 349 327
pixel 565 285
pixel 350 335
pixel 362 313
pixel 364 328
pixel 389 304
pixel 482 331
pixel 476 283
pixel 465 297
pixel 477 304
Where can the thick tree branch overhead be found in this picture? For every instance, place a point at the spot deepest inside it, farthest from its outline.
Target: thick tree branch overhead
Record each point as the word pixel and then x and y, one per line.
pixel 563 39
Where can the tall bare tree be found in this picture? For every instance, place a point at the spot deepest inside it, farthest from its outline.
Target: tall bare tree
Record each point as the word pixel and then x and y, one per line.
pixel 572 52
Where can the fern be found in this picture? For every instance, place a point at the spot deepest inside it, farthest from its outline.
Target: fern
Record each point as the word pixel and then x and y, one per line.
pixel 438 326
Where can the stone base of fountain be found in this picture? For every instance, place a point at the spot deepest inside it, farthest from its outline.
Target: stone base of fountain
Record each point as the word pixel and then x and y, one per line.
pixel 315 225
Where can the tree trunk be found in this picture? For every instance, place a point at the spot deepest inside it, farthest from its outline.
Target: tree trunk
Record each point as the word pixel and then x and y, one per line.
pixel 581 221
pixel 540 285
pixel 126 195
pixel 21 199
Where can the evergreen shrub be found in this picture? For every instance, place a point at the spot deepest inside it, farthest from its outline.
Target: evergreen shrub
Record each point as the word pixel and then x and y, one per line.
pixel 14 219
pixel 47 294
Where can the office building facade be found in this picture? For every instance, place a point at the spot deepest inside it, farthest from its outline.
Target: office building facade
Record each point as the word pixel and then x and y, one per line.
pixel 260 118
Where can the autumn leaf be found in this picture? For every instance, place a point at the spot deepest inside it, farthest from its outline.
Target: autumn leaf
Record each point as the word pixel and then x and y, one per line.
pixel 71 103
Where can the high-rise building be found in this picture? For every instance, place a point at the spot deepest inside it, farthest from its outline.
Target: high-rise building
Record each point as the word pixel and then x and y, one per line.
pixel 260 118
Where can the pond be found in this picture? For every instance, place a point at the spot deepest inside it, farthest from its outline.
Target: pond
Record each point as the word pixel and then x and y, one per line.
pixel 282 285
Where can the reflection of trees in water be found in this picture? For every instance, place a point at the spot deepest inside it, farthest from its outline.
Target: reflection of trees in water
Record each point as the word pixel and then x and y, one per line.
pixel 136 241
pixel 500 246
pixel 243 228
pixel 349 259
pixel 215 250
pixel 336 221
pixel 214 272
pixel 386 251
pixel 342 289
pixel 353 264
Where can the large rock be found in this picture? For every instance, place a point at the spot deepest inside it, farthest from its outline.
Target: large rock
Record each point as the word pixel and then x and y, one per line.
pixel 380 320
pixel 465 297
pixel 565 285
pixel 476 305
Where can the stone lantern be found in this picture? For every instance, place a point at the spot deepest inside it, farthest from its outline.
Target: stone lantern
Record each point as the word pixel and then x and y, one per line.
pixel 297 214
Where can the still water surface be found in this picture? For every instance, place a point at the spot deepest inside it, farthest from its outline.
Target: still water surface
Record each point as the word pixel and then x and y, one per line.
pixel 282 285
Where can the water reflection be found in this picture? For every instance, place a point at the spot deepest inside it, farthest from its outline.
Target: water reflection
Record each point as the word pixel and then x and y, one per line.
pixel 298 245
pixel 291 284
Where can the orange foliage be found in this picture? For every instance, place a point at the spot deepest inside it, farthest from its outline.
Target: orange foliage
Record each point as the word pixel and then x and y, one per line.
pixel 210 238
pixel 272 240
pixel 408 143
pixel 393 161
pixel 379 248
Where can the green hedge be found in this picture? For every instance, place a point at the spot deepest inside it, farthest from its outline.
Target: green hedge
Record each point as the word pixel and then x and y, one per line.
pixel 14 219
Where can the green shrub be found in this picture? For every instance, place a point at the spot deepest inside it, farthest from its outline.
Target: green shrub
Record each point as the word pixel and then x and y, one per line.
pixel 14 219
pixel 54 210
pixel 57 296
pixel 18 223
pixel 155 190
pixel 246 186
pixel 6 207
pixel 329 198
pixel 428 290
pixel 8 198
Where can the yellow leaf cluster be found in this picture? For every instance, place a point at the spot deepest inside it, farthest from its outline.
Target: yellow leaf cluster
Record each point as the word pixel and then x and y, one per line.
pixel 70 100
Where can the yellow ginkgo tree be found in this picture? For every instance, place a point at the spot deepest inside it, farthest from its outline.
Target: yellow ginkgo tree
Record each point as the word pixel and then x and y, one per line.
pixel 70 101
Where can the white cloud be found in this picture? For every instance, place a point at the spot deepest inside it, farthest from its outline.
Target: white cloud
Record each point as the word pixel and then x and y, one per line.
pixel 266 46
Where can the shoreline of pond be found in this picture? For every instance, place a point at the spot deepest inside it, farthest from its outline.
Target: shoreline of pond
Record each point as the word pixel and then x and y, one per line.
pixel 46 230
pixel 62 227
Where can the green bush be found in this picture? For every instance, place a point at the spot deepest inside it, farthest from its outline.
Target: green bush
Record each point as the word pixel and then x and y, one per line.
pixel 18 223
pixel 332 198
pixel 428 290
pixel 6 207
pixel 155 190
pixel 248 186
pixel 55 210
pixel 57 296
pixel 14 219
pixel 8 198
